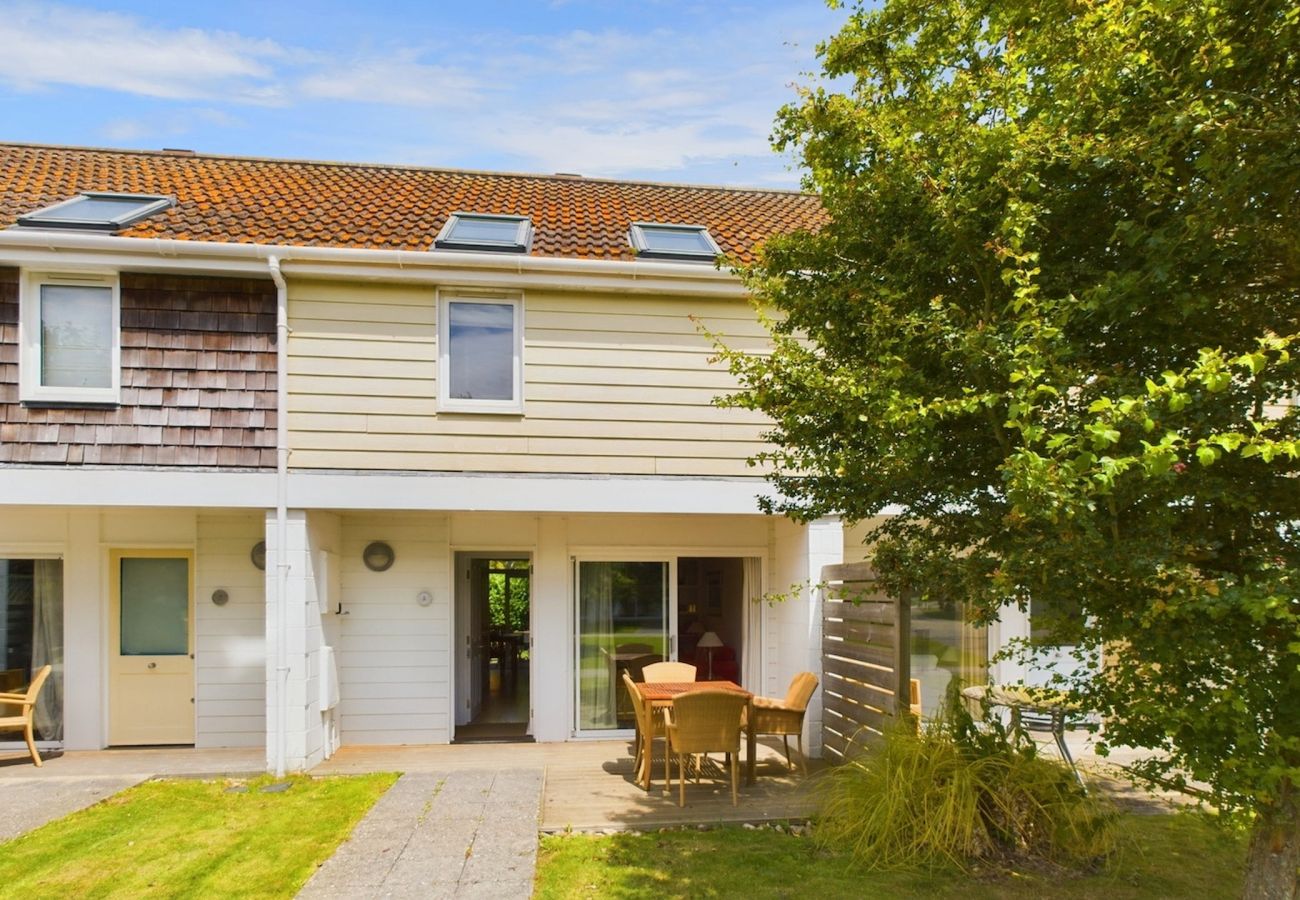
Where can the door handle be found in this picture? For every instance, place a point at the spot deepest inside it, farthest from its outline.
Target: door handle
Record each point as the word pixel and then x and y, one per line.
pixel 153 665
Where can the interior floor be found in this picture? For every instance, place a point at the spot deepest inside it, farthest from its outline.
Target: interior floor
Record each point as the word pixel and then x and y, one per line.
pixel 504 714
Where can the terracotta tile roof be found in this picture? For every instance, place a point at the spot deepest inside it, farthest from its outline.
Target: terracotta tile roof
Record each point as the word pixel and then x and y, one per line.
pixel 243 200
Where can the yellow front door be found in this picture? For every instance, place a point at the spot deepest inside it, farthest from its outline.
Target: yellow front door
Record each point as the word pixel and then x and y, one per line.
pixel 151 648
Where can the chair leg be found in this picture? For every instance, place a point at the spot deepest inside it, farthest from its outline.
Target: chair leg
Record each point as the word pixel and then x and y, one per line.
pixel 785 739
pixel 681 779
pixel 668 776
pixel 31 744
pixel 803 760
pixel 735 797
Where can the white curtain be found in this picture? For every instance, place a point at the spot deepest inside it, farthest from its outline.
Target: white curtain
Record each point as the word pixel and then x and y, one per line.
pixel 751 585
pixel 47 645
pixel 596 669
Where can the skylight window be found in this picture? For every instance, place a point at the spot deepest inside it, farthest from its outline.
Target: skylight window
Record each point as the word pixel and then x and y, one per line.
pixel 684 242
pixel 97 212
pixel 479 231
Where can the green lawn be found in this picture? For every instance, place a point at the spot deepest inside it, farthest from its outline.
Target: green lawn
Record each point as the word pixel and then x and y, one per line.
pixel 190 839
pixel 1163 856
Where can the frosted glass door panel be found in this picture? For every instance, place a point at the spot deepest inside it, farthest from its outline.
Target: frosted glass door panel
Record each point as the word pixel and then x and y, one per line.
pixel 155 607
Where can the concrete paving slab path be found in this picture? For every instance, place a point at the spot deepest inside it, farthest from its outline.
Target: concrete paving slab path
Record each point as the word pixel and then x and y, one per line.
pixel 31 802
pixel 72 781
pixel 461 834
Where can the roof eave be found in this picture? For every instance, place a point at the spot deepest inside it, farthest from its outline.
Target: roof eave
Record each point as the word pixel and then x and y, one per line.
pixel 64 250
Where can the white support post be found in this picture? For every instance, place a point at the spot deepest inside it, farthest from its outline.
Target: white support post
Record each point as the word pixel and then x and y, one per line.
pixel 302 731
pixel 800 553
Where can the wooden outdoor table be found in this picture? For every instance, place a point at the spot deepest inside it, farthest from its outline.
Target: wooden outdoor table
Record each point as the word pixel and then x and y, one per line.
pixel 660 695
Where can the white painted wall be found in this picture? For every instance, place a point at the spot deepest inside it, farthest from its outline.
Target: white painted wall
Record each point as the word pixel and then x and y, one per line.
pixel 230 658
pixel 325 550
pixel 550 661
pixel 396 658
pixel 794 635
pixel 393 654
pixel 229 640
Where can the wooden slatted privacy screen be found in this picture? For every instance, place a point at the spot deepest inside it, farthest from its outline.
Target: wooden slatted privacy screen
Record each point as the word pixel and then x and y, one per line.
pixel 866 661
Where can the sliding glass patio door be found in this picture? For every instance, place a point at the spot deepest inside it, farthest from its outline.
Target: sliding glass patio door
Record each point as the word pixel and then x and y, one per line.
pixel 624 618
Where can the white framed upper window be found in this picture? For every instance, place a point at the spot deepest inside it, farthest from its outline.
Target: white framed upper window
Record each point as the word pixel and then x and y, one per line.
pixel 482 231
pixel 480 353
pixel 69 331
pixel 689 243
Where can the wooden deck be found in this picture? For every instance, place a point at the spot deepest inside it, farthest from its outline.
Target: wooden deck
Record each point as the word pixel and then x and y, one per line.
pixel 589 784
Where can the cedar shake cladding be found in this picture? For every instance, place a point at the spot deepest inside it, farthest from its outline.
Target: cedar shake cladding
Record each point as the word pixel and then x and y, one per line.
pixel 198 380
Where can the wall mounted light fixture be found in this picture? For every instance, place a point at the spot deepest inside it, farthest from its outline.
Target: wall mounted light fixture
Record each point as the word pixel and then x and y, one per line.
pixel 220 597
pixel 258 555
pixel 378 556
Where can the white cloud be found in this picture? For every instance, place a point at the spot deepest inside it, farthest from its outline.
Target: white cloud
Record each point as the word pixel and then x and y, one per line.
pixel 400 82
pixel 610 151
pixel 174 124
pixel 59 45
pixel 694 97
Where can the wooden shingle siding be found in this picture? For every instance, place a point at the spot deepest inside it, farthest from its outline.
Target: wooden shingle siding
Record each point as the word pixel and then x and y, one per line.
pixel 612 385
pixel 198 381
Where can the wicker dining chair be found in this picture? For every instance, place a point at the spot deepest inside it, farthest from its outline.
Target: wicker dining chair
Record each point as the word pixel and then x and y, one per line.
pixel 785 717
pixel 27 701
pixel 672 672
pixel 648 727
pixel 704 722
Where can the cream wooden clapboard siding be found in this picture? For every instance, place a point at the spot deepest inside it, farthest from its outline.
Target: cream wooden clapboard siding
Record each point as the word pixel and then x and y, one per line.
pixel 391 652
pixel 230 651
pixel 612 385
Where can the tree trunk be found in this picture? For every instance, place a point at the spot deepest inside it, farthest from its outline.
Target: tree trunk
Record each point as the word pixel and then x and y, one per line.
pixel 1271 864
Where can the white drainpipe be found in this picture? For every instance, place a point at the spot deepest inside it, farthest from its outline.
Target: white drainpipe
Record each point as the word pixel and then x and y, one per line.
pixel 281 513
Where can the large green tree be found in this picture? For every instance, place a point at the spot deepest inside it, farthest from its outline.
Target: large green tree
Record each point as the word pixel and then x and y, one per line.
pixel 1050 317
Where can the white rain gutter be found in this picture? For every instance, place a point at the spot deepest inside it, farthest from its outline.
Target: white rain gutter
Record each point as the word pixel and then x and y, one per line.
pixel 281 513
pixel 34 248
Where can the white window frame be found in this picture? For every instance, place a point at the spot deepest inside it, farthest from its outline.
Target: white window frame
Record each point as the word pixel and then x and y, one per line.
pixel 30 389
pixel 449 404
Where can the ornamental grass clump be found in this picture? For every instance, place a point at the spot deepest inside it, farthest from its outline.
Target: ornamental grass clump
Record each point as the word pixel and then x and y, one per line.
pixel 952 794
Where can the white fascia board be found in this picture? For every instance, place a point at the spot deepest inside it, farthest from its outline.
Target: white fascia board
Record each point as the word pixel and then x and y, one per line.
pixel 47 249
pixel 525 493
pixel 56 486
pixel 414 491
pixel 21 486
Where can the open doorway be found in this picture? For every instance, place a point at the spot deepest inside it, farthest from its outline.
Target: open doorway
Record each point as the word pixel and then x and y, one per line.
pixel 712 618
pixel 493 629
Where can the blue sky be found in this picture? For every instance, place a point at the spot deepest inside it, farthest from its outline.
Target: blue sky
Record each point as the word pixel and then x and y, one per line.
pixel 669 91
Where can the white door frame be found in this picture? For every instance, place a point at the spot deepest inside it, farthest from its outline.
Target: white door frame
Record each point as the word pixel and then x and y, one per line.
pixel 670 554
pixel 670 630
pixel 8 741
pixel 460 596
